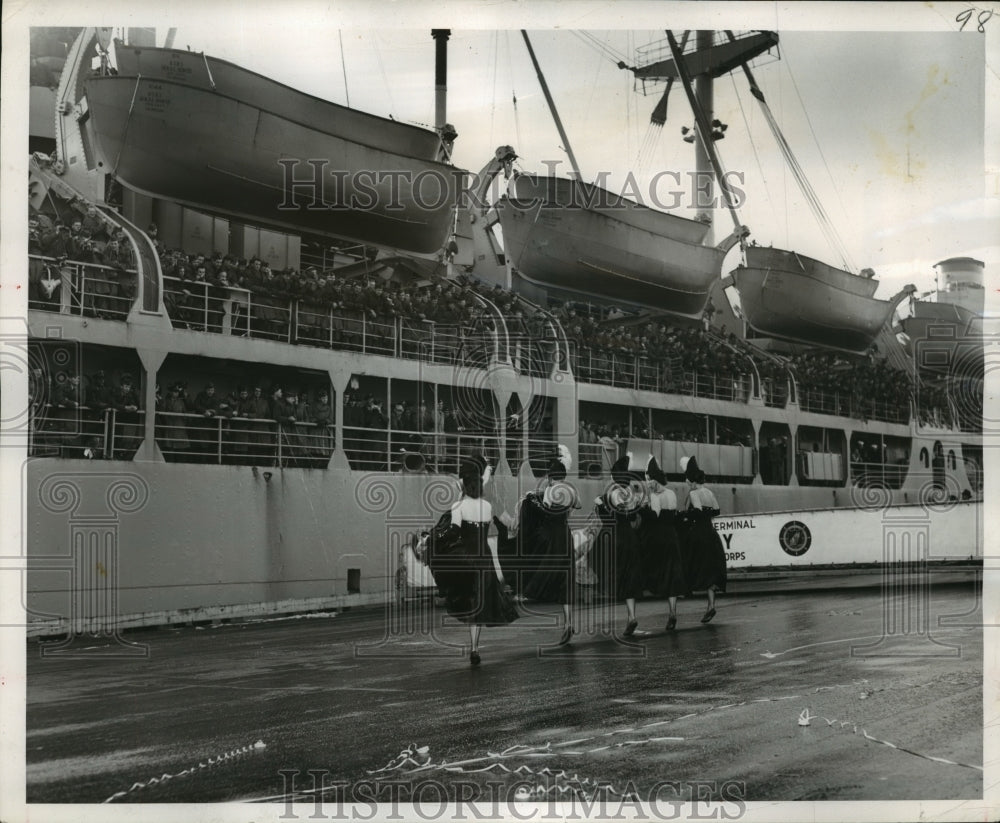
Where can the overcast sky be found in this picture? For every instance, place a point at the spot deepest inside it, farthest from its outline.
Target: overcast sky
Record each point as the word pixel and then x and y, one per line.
pixel 888 125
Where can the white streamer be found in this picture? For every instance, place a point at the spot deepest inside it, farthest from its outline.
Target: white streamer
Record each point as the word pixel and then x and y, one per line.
pixel 163 778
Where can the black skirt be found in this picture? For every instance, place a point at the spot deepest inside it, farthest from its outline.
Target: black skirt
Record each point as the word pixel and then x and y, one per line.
pixel 704 555
pixel 615 556
pixel 549 555
pixel 462 564
pixel 662 561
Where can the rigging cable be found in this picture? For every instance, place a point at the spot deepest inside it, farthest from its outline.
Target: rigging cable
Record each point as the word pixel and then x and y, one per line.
pixel 753 145
pixel 819 146
pixel 513 93
pixel 811 198
pixel 343 66
pixel 600 47
pixel 381 66
pixel 496 62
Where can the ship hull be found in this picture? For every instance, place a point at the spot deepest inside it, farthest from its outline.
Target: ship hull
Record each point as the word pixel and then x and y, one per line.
pixel 225 155
pixel 566 235
pixel 223 541
pixel 786 295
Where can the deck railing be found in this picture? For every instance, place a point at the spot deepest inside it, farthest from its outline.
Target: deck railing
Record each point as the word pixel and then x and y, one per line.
pixel 83 431
pixel 413 452
pixel 184 437
pixel 878 475
pixel 82 289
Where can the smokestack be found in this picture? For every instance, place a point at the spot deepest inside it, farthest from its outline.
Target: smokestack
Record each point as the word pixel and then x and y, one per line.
pixel 441 76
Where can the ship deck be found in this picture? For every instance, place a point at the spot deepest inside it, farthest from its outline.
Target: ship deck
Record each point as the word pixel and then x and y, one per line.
pixel 895 716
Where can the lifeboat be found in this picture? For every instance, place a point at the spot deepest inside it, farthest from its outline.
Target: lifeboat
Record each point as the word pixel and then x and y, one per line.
pixel 566 234
pixel 786 295
pixel 209 134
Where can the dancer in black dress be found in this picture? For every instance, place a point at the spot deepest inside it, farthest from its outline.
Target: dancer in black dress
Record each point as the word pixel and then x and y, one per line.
pixel 704 555
pixel 663 564
pixel 615 555
pixel 548 545
pixel 462 562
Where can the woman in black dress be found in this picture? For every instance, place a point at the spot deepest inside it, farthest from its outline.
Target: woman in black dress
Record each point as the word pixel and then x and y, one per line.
pixel 548 545
pixel 663 564
pixel 462 562
pixel 704 556
pixel 615 556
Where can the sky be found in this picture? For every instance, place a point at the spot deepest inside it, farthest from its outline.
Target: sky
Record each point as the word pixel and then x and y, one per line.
pixel 888 125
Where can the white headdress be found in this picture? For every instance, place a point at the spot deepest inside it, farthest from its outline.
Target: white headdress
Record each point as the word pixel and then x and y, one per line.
pixel 565 457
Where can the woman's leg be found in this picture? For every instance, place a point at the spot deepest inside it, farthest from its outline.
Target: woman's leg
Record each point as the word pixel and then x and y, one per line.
pixel 568 630
pixel 710 612
pixel 672 617
pixel 630 612
pixel 474 630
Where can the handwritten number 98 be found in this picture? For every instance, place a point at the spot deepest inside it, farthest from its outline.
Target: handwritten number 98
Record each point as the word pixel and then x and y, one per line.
pixel 963 17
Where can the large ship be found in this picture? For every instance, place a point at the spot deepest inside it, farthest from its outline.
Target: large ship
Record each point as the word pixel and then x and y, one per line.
pixel 164 487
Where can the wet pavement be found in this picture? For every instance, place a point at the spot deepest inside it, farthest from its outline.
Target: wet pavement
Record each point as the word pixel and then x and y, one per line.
pixel 387 709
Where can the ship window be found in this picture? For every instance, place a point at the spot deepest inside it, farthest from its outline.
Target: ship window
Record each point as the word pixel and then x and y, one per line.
pixel 819 459
pixel 242 420
pixel 774 454
pixel 78 405
pixel 603 428
pixel 354 581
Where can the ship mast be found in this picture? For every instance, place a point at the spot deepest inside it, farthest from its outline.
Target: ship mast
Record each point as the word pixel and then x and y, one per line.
pixel 697 70
pixel 704 93
pixel 552 108
pixel 704 129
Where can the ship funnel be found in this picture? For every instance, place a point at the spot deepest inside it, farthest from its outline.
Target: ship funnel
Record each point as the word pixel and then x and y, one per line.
pixel 447 132
pixel 961 281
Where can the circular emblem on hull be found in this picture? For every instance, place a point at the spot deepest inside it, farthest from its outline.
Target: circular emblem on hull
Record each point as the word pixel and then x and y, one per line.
pixel 795 538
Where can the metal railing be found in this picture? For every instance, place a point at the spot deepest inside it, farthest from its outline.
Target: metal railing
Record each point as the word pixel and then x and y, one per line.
pixel 236 311
pixel 184 437
pixel 775 392
pixel 638 372
pixel 850 405
pixel 878 475
pixel 381 449
pixel 201 306
pixel 83 431
pixel 82 289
